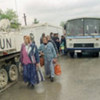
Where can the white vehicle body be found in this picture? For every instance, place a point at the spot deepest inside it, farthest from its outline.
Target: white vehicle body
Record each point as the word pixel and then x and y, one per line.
pixel 83 36
pixel 95 41
pixel 38 29
pixel 10 42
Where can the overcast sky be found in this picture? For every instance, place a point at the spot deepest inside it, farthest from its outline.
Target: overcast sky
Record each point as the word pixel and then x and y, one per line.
pixel 53 11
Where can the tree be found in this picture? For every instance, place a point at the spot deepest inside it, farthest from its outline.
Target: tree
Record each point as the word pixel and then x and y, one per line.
pixel 35 21
pixel 11 16
pixel 0 11
pixel 15 25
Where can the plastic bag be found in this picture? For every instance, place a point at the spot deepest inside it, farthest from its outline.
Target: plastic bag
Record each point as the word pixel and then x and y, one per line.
pixel 40 75
pixel 42 61
pixel 57 69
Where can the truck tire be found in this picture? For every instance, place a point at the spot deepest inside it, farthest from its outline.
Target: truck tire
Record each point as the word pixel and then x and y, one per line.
pixel 3 78
pixel 13 73
pixel 71 54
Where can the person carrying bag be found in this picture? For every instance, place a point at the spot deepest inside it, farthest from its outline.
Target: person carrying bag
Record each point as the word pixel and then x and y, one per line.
pixel 33 56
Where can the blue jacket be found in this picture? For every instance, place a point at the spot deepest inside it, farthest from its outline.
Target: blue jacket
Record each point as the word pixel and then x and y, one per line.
pixel 48 50
pixel 34 52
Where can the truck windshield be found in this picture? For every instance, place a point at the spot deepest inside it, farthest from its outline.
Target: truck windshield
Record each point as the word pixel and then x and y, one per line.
pixel 86 26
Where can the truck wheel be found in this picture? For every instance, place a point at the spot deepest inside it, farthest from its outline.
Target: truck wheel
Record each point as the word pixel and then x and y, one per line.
pixel 3 78
pixel 79 55
pixel 13 73
pixel 71 54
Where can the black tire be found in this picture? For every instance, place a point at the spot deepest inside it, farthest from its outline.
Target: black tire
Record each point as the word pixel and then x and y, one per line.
pixel 96 54
pixel 79 55
pixel 71 54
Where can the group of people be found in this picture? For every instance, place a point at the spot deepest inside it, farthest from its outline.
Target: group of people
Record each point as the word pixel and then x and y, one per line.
pixel 58 43
pixel 30 57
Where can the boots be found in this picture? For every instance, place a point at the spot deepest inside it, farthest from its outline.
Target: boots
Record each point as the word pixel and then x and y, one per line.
pixel 52 79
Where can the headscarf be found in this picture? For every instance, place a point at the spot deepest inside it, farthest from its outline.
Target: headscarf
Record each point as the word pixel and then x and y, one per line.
pixel 32 37
pixel 27 37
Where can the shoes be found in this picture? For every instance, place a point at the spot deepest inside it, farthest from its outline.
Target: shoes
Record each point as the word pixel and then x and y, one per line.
pixel 32 86
pixel 29 84
pixel 49 77
pixel 52 79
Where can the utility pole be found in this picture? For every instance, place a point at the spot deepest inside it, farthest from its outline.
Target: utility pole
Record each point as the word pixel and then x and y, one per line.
pixel 25 20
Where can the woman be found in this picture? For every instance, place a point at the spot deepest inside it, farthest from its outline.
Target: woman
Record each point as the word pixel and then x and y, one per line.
pixel 52 35
pixel 29 62
pixel 50 40
pixel 41 39
pixel 47 49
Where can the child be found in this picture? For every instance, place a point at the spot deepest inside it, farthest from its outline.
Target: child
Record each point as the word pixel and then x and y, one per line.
pixel 62 47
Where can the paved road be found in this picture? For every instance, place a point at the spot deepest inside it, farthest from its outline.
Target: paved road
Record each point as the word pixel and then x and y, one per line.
pixel 80 80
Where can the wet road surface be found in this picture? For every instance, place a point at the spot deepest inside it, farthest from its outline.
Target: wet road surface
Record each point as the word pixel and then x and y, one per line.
pixel 80 80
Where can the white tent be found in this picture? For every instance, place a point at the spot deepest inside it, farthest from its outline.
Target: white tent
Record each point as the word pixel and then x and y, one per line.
pixel 38 29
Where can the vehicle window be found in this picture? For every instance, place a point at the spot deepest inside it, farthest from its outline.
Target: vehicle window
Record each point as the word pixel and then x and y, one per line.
pixel 75 27
pixel 92 27
pixel 80 27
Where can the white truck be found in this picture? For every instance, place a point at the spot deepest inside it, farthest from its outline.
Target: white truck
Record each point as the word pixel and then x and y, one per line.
pixel 83 36
pixel 10 44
